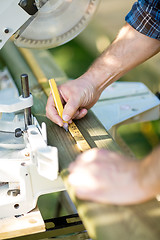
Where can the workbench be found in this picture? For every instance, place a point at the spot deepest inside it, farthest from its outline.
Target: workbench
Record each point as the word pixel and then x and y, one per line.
pixel 101 221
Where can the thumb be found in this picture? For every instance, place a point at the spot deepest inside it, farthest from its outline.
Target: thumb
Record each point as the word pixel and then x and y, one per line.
pixel 70 109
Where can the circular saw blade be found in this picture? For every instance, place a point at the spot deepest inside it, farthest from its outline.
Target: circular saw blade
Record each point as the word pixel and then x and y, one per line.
pixel 55 23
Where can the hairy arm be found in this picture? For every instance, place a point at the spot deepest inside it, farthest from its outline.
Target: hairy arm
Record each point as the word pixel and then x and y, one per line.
pixel 129 49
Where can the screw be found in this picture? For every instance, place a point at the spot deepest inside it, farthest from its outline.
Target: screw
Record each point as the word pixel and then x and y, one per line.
pixel 16 206
pixel 23 3
pixel 6 30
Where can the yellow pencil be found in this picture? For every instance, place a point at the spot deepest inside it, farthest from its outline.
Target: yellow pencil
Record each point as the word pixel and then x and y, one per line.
pixel 57 100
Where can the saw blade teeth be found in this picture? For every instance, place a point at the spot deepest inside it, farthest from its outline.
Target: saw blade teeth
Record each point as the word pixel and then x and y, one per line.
pixel 58 37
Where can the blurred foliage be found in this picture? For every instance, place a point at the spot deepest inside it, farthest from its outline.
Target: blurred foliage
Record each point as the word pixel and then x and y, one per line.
pixel 50 206
pixel 2 64
pixel 145 74
pixel 72 58
pixel 135 140
pixel 141 137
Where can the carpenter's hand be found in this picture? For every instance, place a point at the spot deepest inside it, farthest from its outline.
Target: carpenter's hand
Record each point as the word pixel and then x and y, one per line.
pixel 77 97
pixel 106 177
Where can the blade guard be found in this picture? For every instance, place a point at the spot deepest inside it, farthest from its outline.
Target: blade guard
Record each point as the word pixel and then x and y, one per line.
pixel 55 23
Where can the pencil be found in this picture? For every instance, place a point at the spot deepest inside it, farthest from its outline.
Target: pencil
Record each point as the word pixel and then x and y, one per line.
pixel 57 100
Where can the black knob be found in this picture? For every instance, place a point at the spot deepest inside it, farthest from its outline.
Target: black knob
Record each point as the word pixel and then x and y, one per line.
pixel 18 132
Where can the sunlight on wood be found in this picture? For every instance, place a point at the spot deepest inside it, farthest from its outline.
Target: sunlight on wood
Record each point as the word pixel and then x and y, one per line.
pixel 14 227
pixel 154 212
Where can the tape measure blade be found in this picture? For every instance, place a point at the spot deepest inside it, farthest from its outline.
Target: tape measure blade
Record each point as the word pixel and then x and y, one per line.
pixel 77 135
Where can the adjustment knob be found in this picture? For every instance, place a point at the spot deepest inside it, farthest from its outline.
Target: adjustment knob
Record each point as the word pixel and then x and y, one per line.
pixel 18 132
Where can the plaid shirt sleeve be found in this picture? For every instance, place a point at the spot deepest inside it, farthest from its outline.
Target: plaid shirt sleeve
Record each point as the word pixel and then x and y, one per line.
pixel 145 17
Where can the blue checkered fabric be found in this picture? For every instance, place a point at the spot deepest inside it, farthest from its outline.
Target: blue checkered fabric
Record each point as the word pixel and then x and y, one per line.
pixel 145 17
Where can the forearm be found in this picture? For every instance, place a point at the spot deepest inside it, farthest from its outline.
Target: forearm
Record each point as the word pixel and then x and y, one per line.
pixel 129 49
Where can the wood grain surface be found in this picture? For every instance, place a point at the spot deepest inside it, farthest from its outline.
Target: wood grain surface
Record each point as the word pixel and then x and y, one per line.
pixel 19 226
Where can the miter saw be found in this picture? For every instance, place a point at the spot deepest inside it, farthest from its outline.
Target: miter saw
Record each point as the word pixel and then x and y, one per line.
pixel 28 167
pixel 43 23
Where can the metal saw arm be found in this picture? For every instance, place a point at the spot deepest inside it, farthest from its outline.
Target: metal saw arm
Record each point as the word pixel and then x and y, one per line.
pixel 12 17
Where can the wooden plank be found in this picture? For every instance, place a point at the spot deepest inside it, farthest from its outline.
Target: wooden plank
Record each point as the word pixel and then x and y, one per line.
pixel 102 221
pixel 28 224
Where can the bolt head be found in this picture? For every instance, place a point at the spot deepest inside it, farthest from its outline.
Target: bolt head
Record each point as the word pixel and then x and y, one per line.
pixel 6 30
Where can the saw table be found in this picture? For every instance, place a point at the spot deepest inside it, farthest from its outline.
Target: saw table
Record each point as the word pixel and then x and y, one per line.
pixel 101 221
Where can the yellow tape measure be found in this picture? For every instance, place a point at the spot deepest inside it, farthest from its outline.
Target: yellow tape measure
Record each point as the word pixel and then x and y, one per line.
pixel 77 135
